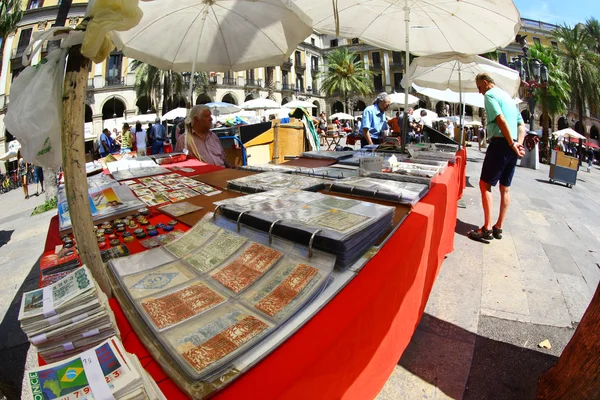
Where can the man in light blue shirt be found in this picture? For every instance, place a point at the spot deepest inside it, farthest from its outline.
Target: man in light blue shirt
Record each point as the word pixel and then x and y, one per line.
pixel 506 131
pixel 374 121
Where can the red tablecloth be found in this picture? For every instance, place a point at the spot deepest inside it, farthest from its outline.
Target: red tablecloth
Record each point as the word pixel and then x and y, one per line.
pixel 349 349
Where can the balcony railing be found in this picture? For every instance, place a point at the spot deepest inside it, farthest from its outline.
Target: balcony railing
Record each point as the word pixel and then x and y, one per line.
pixel 377 65
pixel 287 65
pixel 18 52
pixel 300 66
pixel 90 83
pixel 288 87
pixel 396 65
pixel 212 80
pixel 254 82
pixel 316 91
pixel 378 88
pixel 229 81
pixel 115 81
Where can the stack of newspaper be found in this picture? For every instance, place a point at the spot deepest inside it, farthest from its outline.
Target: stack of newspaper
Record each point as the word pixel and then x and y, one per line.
pixel 106 371
pixel 67 317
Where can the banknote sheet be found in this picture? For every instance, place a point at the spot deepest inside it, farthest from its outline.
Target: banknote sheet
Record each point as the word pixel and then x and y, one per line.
pixel 221 334
pixel 179 209
pixel 158 279
pixel 284 290
pixel 247 268
pixel 193 239
pixel 223 246
pixel 275 180
pixel 182 304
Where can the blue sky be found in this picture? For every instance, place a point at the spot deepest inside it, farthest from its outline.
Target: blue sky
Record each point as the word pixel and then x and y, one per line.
pixel 559 11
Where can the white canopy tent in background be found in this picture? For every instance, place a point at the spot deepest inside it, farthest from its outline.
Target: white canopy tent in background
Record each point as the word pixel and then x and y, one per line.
pixel 298 103
pixel 259 104
pixel 341 116
pixel 568 132
pixel 179 112
pixel 397 99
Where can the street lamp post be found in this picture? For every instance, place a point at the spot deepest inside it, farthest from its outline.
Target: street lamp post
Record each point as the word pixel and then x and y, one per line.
pixel 533 73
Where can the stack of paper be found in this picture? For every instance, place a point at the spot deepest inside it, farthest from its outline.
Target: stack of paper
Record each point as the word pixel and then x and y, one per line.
pixel 67 317
pixel 106 371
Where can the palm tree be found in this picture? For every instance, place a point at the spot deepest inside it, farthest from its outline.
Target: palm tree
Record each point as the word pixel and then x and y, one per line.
pixel 346 74
pixel 270 72
pixel 159 84
pixel 579 60
pixel 592 26
pixel 553 98
pixel 10 15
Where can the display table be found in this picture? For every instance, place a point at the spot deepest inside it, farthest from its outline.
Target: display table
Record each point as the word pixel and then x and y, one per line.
pixel 350 347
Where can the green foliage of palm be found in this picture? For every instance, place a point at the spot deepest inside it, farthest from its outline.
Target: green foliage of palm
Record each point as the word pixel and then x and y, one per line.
pixel 592 26
pixel 158 84
pixel 346 74
pixel 10 14
pixel 579 60
pixel 555 97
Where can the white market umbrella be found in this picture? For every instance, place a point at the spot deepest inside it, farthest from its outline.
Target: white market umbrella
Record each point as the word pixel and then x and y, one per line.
pixel 429 113
pixel 568 132
pixel 143 118
pixel 179 112
pixel 221 107
pixel 278 112
pixel 472 99
pixel 398 99
pixel 214 35
pixel 341 116
pixel 259 104
pixel 457 72
pixel 299 103
pixel 438 26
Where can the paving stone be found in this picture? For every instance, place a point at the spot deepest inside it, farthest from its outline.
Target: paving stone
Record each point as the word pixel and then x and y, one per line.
pixel 432 367
pixel 537 273
pixel 548 308
pixel 561 259
pixel 488 312
pixel 536 218
pixel 577 294
pixel 540 203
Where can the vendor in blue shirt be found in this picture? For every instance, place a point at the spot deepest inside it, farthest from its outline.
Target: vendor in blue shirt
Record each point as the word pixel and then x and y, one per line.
pixel 374 121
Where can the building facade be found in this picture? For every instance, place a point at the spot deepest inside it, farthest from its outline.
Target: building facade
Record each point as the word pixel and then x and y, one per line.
pixel 111 96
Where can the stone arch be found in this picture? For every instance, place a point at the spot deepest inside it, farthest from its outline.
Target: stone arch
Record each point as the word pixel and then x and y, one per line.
pixel 178 102
pixel 337 107
pixel 230 98
pixel 285 100
pixel 594 132
pixel 360 105
pixel 422 104
pixel 249 97
pixel 144 105
pixel 316 110
pixel 203 98
pixel 562 123
pixel 114 107
pixel 468 110
pixel 550 122
pixel 579 127
pixel 89 113
pixel 440 107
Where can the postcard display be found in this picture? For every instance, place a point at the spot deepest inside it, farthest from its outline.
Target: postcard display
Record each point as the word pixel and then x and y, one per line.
pixel 214 296
pixel 346 228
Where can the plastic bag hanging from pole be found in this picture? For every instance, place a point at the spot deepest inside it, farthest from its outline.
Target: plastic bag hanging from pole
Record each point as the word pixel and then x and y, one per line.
pixel 34 112
pixel 107 16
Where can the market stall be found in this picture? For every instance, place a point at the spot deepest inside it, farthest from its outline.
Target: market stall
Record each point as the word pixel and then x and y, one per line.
pixel 350 347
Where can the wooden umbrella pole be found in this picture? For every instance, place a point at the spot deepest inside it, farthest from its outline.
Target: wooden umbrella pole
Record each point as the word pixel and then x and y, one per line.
pixel 73 160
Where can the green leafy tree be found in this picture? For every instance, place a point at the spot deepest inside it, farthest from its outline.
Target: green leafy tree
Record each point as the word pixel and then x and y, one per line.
pixel 579 60
pixel 553 98
pixel 346 74
pixel 10 14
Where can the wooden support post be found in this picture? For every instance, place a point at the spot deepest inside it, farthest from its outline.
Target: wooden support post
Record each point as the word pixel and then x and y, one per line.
pixel 73 159
pixel 576 374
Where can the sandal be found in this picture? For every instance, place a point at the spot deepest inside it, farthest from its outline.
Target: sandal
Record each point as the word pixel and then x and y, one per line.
pixel 481 234
pixel 497 232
